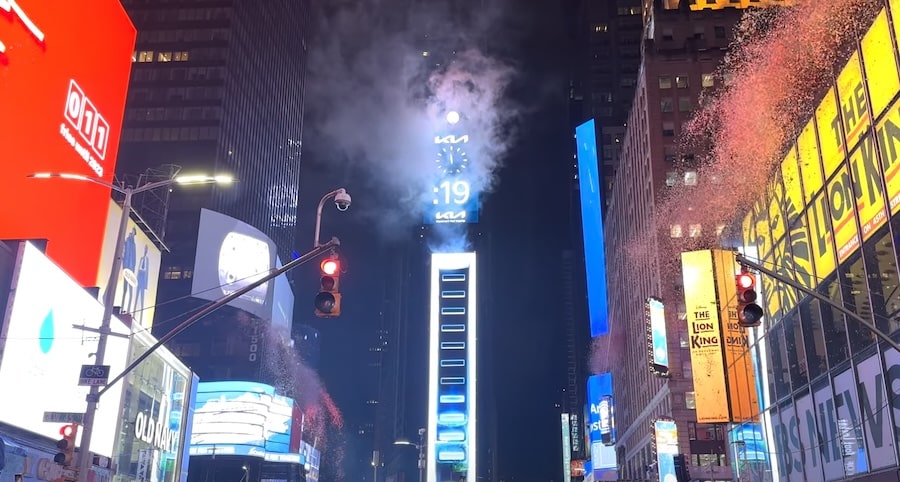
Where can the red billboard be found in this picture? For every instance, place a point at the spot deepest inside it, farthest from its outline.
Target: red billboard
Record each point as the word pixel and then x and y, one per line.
pixel 64 69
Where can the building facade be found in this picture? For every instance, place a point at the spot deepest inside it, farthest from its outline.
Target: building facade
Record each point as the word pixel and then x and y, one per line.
pixel 828 221
pixel 682 49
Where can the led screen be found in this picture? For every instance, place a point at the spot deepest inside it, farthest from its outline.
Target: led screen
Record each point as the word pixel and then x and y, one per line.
pixel 592 227
pixel 231 255
pixel 666 438
pixel 136 290
pixel 567 447
pixel 602 428
pixel 242 418
pixel 454 194
pixel 64 70
pixel 43 350
pixel 657 340
pixel 452 367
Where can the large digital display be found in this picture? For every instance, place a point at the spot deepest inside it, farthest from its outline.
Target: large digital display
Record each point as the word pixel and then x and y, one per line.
pixel 231 255
pixel 64 70
pixel 243 418
pixel 592 227
pixel 136 290
pixel 454 196
pixel 602 427
pixel 657 340
pixel 452 367
pixel 42 348
pixel 566 447
pixel 665 435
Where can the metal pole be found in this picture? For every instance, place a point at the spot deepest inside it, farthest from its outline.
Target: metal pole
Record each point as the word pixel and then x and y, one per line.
pixel 319 213
pixel 421 447
pixel 109 298
pixel 215 306
pixel 824 299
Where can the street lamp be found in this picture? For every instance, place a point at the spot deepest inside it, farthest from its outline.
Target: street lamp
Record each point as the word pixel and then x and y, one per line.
pixel 420 447
pixel 341 201
pixel 109 295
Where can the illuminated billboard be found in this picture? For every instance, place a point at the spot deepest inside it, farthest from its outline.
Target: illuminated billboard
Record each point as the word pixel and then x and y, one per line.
pixel 665 436
pixel 43 347
pixel 720 354
pixel 567 447
pixel 452 367
pixel 592 227
pixel 61 111
pixel 657 340
pixel 231 255
pixel 136 291
pixel 243 418
pixel 602 425
pixel 454 198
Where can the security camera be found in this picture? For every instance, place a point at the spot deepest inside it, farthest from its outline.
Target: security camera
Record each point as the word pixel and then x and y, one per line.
pixel 342 200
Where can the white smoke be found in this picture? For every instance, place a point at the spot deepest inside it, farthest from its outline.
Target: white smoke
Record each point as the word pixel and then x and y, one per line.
pixel 376 101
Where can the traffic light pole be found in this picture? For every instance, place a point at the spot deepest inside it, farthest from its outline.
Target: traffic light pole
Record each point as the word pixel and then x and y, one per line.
pixel 335 242
pixel 94 397
pixel 824 299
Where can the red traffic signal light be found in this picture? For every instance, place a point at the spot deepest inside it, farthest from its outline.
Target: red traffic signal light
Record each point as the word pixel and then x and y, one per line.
pixel 66 445
pixel 328 300
pixel 330 267
pixel 749 313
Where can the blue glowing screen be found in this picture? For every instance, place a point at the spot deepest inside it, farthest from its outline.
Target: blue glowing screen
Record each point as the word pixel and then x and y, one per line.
pixel 592 227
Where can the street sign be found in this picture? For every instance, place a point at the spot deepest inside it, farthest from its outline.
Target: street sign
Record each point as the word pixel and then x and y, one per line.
pixel 93 375
pixel 63 417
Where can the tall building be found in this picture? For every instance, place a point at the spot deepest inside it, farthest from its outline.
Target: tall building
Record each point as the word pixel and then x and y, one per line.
pixel 682 49
pixel 216 88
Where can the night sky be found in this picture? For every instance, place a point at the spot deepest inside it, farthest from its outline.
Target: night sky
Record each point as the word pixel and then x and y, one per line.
pixel 526 215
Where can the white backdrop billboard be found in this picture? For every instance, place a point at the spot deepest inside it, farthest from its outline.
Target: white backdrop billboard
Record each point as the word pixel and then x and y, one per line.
pixel 43 348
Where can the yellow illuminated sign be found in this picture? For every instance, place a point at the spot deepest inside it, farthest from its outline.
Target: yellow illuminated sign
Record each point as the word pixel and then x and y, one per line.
pixel 888 134
pixel 830 138
pixel 809 163
pixel 776 218
pixel 853 102
pixel 761 225
pixel 739 4
pixel 801 253
pixel 866 178
pixel 819 222
pixel 704 335
pixel 740 376
pixel 840 205
pixel 881 68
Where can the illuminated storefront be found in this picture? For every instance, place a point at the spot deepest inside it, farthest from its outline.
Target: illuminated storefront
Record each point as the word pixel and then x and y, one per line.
pixel 156 416
pixel 829 221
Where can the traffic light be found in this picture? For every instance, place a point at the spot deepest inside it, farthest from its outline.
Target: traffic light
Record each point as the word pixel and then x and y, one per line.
pixel 66 445
pixel 749 313
pixel 682 473
pixel 328 301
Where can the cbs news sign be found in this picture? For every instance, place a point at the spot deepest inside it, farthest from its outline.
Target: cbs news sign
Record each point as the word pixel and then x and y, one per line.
pixel 838 183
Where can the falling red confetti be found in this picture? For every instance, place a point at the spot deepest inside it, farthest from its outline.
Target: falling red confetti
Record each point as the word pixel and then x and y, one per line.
pixel 780 63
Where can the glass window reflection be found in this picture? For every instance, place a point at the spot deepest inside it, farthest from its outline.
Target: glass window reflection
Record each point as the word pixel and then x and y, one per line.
pixel 856 299
pixel 779 370
pixel 835 329
pixel 881 264
pixel 796 350
pixel 813 337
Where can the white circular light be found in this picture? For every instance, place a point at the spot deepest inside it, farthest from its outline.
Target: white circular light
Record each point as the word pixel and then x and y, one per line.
pixel 453 117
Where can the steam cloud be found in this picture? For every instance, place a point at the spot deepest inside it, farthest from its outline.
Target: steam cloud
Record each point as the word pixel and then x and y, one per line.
pixel 376 102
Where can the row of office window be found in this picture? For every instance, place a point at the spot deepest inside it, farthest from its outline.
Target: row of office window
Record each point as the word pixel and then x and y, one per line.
pixel 682 81
pixel 147 56
pixel 166 134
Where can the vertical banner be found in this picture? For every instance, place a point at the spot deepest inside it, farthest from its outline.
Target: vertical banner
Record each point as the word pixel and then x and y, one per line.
pixel 704 333
pixel 739 374
pixel 657 340
pixel 566 448
pixel 666 440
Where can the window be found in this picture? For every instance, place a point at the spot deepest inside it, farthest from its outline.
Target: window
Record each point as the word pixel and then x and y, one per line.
pixel 690 178
pixel 708 80
pixel 675 231
pixel 665 104
pixel 683 339
pixel 601 28
pixel 720 32
pixel 692 430
pixel 669 152
pixel 687 372
pixel 684 104
pixel 690 401
pixel 668 129
pixel 145 56
pixel 164 57
pixel 699 32
pixel 671 178
pixel 181 56
pixel 694 230
pixel 681 81
pixel 665 82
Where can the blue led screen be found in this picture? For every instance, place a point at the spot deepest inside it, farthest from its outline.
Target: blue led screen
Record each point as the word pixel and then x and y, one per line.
pixel 592 227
